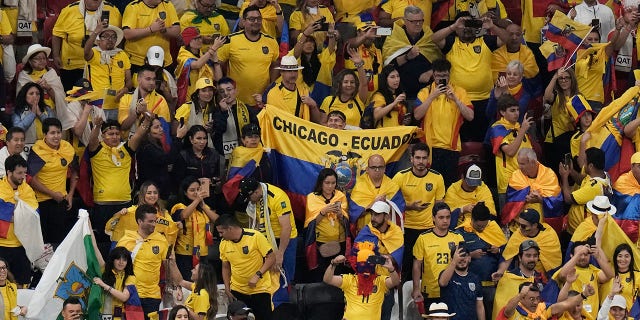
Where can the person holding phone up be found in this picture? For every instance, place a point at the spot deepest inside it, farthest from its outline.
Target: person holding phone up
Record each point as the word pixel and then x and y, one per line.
pixel 309 12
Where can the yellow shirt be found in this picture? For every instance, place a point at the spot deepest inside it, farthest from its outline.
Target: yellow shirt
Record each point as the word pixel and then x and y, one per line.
pixel 589 189
pixel 106 173
pixel 246 257
pixel 428 189
pixel 7 194
pixel 147 262
pixel 269 18
pixel 358 306
pixel 588 275
pixel 589 72
pixel 457 198
pixel 435 255
pixel 501 57
pixel 352 109
pixel 198 302
pixel 503 133
pixel 139 15
pixel 167 227
pixel 329 228
pixel 193 238
pixel 9 294
pixel 561 121
pixel 249 63
pixel 472 59
pixel 108 79
pixel 50 166
pixel 279 205
pixel 156 104
pixel 71 28
pixel 349 11
pixel 120 284
pixel 299 21
pixel 217 27
pixel 391 119
pixel 443 119
pixel 531 25
pixel 396 9
pixel 5 28
pixel 206 71
pixel 372 58
pixel 289 101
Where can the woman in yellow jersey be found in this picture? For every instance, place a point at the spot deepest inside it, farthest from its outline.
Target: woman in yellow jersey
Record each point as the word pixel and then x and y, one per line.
pixel 326 218
pixel 560 89
pixel 306 13
pixel 118 284
pixel 125 219
pixel 9 293
pixel 389 101
pixel 192 65
pixel 30 111
pixel 350 90
pixel 195 236
pixel 623 267
pixel 202 304
pixel 198 111
pixel 35 69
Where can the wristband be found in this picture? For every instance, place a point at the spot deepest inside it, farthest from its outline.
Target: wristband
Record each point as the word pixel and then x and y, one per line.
pixel 359 64
pixel 259 274
pixel 278 13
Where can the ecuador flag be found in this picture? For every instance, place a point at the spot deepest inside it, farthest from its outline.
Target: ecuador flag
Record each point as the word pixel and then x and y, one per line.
pixel 567 32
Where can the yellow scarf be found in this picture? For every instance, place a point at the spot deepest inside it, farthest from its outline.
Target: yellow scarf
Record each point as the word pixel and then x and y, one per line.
pixel 492 234
pixel 398 40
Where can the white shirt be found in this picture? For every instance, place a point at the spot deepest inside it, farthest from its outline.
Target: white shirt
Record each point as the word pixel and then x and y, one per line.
pixel 585 13
pixel 4 154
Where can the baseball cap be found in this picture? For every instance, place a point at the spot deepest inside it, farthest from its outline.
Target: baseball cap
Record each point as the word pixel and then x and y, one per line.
pixel 248 185
pixel 250 129
pixel 619 301
pixel 380 207
pixel 635 158
pixel 473 176
pixel 528 244
pixel 237 308
pixel 155 56
pixel 188 34
pixel 203 83
pixel 530 215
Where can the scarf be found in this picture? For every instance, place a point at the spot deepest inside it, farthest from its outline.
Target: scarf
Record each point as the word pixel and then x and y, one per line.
pixel 252 211
pixel 398 40
pixel 116 153
pixel 199 18
pixel 230 136
pixel 107 55
pixel 90 20
pixel 492 234
pixel 538 314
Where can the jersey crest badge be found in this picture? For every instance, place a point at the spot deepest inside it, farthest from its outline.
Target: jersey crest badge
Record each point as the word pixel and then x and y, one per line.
pixel 155 249
pixel 477 49
pixel 265 49
pixel 472 286
pixel 428 186
pixel 245 249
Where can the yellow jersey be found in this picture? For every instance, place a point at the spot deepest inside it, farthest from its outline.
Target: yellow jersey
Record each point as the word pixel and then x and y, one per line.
pixel 428 189
pixel 138 15
pixel 472 58
pixel 147 262
pixel 198 302
pixel 212 26
pixel 352 108
pixel 246 256
pixel 434 252
pixel 361 307
pixel 50 166
pixel 289 101
pixel 108 79
pixel 192 241
pixel 111 167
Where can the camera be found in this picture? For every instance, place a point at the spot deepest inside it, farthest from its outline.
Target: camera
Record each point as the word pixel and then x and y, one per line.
pixel 473 23
pixel 376 260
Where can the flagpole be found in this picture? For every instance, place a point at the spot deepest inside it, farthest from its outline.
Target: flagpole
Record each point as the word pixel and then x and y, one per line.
pixel 564 67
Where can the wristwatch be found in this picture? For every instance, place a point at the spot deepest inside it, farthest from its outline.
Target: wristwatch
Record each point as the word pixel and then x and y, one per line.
pixel 259 274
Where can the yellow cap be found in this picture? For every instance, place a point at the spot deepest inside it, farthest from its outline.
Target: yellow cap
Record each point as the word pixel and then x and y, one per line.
pixel 635 158
pixel 365 25
pixel 203 83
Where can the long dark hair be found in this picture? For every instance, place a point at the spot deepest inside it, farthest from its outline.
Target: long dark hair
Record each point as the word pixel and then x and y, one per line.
pixel 627 248
pixel 207 281
pixel 383 85
pixel 108 276
pixel 182 195
pixel 312 65
pixel 21 99
pixel 574 88
pixel 324 173
pixel 211 105
pixel 174 311
pixel 191 133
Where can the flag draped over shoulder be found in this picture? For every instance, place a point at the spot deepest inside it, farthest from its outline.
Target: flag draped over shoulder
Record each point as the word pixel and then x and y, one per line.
pixel 392 241
pixel 626 197
pixel 300 149
pixel 550 255
pixel 506 289
pixel 398 40
pixel 491 234
pixel 69 273
pixel 545 183
pixel 566 32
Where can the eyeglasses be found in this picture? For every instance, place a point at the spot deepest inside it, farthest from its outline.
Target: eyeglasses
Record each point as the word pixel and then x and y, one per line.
pixel 254 19
pixel 112 37
pixel 377 169
pixel 419 21
pixel 3 268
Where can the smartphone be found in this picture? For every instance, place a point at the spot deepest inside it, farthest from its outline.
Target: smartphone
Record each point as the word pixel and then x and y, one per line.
pixel 591 241
pixel 383 31
pixel 226 39
pixel 442 82
pixel 460 244
pixel 105 16
pixel 595 23
pixel 452 246
pixel 181 121
pixel 376 260
pixel 324 26
pixel 473 23
pixel 162 14
pixel 338 203
pixel 567 159
pixel 408 117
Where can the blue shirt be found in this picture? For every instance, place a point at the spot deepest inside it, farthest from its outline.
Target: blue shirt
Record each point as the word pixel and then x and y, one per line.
pixel 461 295
pixel 484 266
